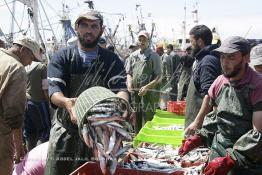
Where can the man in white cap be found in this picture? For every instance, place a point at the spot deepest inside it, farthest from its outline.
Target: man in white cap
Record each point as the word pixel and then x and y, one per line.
pixel 256 57
pixel 13 99
pixel 71 71
pixel 143 68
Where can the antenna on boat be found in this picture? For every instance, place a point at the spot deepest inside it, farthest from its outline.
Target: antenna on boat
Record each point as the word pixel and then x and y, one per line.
pixel 184 27
pixel 195 13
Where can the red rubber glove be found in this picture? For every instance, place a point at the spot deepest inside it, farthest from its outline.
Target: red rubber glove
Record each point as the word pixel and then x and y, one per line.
pixel 189 144
pixel 219 166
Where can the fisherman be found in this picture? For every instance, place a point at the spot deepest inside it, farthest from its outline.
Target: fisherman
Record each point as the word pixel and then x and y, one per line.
pixel 71 71
pixel 170 68
pixel 160 50
pixel 143 70
pixel 37 122
pixel 186 71
pixel 206 69
pixel 256 57
pixel 13 99
pixel 173 70
pixel 233 130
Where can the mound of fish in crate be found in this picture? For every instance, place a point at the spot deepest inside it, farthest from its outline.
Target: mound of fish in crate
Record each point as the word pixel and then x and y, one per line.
pixel 164 158
pixel 103 126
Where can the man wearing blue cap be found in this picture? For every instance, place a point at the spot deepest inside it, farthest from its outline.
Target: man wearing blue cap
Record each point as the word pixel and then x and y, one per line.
pixel 233 130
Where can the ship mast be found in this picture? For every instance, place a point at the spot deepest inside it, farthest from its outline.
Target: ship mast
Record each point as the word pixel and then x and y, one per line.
pixel 12 23
pixel 195 13
pixel 184 27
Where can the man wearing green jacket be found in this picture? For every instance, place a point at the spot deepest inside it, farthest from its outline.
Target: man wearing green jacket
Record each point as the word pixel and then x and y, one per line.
pixel 143 69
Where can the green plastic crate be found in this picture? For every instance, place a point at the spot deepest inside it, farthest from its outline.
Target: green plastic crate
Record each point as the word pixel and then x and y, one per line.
pixel 166 114
pixel 150 128
pixel 168 118
pixel 151 135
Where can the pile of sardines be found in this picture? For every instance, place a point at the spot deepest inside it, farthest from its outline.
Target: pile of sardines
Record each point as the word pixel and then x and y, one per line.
pixel 104 128
pixel 164 158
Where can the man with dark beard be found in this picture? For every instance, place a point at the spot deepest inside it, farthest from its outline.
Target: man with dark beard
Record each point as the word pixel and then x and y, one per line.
pixel 205 70
pixel 71 71
pixel 233 130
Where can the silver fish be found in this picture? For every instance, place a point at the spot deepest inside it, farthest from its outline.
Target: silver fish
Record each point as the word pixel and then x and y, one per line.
pixel 115 124
pixel 112 142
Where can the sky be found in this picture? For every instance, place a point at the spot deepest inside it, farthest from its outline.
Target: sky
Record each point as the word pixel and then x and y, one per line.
pixel 230 17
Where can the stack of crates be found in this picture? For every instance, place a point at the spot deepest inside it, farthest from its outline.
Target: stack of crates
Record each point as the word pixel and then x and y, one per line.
pixel 150 134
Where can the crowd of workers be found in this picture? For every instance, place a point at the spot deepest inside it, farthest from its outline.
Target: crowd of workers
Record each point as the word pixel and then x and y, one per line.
pixel 221 83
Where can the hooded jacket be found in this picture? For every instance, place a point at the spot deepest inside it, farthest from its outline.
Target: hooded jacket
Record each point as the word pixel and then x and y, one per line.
pixel 206 69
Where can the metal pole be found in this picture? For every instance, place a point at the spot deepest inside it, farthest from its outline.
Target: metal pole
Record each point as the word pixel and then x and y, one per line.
pixel 48 21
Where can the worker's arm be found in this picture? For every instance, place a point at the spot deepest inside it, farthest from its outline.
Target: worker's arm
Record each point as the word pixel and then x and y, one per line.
pixel 143 90
pixel 157 73
pixel 204 110
pixel 257 121
pixel 247 148
pixel 60 100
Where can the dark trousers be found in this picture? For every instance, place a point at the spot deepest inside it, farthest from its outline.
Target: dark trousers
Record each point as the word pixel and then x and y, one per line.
pixel 37 123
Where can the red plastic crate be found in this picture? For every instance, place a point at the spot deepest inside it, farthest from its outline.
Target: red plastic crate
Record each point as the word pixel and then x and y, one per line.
pixel 177 107
pixel 92 168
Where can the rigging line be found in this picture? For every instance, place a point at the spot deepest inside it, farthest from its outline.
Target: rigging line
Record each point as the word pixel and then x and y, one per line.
pixel 7 3
pixel 5 36
pixel 112 42
pixel 76 6
pixel 55 23
pixel 51 8
pixel 12 15
pixel 48 20
pixel 22 16
pixel 42 25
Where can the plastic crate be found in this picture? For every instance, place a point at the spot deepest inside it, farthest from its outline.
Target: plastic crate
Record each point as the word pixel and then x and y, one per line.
pixel 161 118
pixel 150 135
pixel 152 128
pixel 165 117
pixel 167 114
pixel 92 168
pixel 177 107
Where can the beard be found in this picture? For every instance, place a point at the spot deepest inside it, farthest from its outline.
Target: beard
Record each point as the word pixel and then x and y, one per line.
pixel 234 72
pixel 195 51
pixel 87 44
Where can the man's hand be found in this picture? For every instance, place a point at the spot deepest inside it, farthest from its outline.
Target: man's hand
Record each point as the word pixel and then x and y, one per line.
pixel 143 90
pixel 69 104
pixel 191 129
pixel 189 144
pixel 219 166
